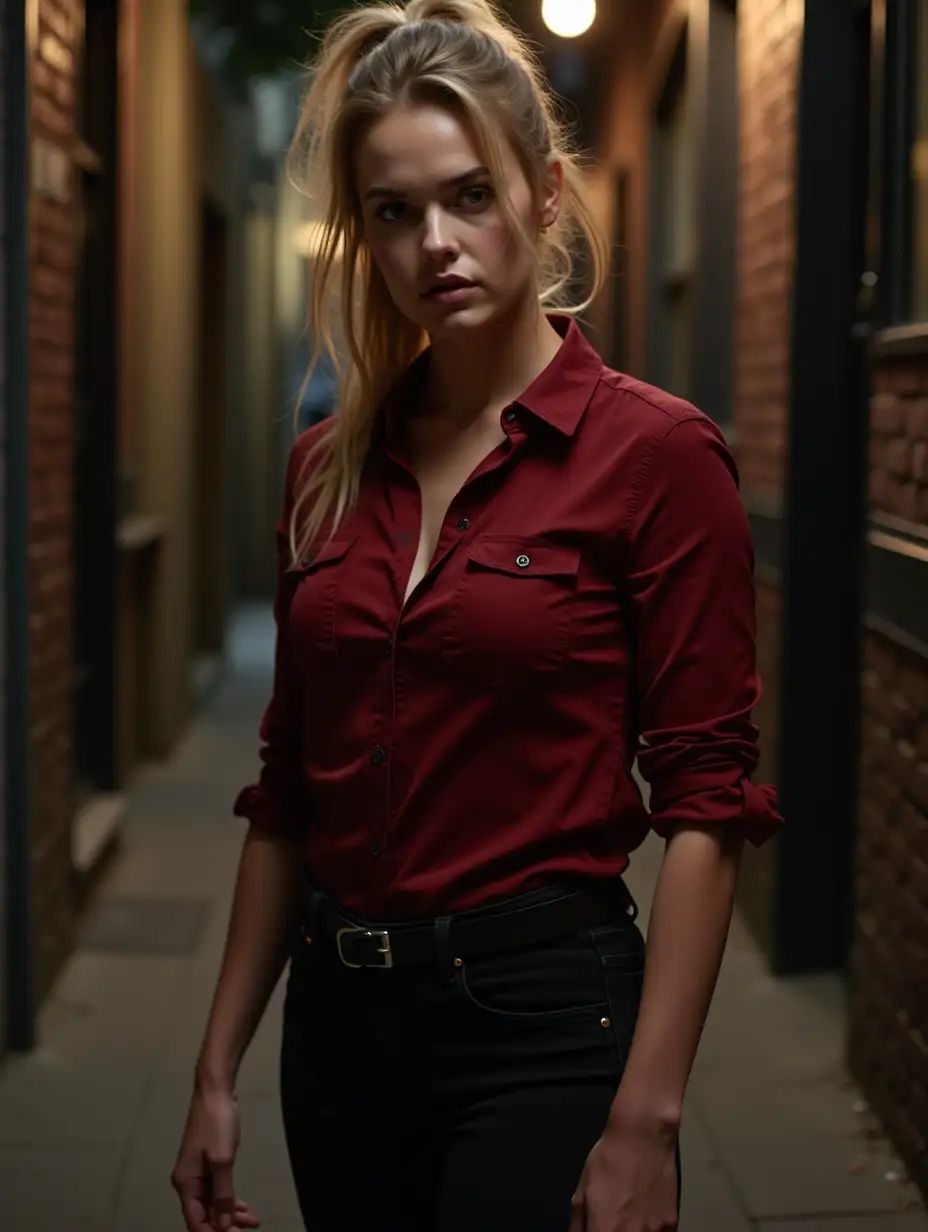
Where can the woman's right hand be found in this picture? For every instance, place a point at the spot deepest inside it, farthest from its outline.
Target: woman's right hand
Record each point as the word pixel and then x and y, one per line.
pixel 202 1174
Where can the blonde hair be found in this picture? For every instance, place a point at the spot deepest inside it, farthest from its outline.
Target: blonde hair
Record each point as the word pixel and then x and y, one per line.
pixel 459 53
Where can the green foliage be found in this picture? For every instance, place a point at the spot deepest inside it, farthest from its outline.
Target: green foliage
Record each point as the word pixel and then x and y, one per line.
pixel 266 36
pixel 270 36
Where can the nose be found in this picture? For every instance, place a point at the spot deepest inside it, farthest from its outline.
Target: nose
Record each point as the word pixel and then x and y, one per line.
pixel 438 235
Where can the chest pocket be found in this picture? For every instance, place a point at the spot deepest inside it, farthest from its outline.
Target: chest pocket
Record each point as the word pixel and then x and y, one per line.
pixel 511 612
pixel 312 612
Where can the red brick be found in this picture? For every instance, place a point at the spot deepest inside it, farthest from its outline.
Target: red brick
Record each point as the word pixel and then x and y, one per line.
pixel 888 1008
pixel 768 56
pixel 909 377
pixel 51 355
pixel 917 416
pixel 896 456
pixel 886 412
pixel 923 507
pixel 919 467
pixel 49 117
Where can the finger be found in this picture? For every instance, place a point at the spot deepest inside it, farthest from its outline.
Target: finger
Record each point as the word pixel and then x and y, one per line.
pixel 577 1214
pixel 246 1219
pixel 245 1216
pixel 222 1204
pixel 192 1206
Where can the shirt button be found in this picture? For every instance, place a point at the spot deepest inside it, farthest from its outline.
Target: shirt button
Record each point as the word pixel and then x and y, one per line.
pixel 376 848
pixel 523 561
pixel 510 416
pixel 388 648
pixel 379 756
pixel 463 523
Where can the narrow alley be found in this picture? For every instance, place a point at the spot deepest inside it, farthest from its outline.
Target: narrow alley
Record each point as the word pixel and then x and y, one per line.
pixel 756 175
pixel 89 1122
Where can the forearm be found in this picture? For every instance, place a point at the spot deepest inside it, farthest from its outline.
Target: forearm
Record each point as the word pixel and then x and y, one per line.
pixel 687 932
pixel 263 913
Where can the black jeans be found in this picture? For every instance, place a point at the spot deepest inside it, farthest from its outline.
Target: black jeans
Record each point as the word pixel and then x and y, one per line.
pixel 460 1098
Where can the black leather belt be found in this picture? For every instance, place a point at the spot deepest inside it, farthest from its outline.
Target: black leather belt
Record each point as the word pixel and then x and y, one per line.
pixel 513 924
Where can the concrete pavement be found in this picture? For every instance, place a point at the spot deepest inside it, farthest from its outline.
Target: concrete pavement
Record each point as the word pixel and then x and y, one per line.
pixel 775 1140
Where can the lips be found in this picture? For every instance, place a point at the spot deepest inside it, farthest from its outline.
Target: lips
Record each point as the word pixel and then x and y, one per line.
pixel 450 284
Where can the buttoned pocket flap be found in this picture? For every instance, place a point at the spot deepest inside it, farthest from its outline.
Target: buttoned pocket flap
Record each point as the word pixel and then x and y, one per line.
pixel 521 557
pixel 326 554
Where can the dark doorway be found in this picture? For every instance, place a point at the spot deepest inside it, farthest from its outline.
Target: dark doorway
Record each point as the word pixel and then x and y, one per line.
pixel 819 686
pixel 694 194
pixel 209 574
pixel 95 387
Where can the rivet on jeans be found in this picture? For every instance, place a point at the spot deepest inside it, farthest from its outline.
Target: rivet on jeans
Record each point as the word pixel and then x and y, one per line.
pixel 459 962
pixel 605 1022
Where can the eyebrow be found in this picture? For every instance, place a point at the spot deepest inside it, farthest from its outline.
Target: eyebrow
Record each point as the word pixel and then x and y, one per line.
pixel 455 182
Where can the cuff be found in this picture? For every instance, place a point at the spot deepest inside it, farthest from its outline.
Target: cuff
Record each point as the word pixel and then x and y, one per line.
pixel 744 806
pixel 268 813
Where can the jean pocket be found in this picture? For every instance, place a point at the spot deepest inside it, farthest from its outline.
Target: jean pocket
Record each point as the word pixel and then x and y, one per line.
pixel 622 954
pixel 620 946
pixel 559 980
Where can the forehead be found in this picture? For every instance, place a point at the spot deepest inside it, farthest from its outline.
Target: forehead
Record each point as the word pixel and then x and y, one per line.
pixel 415 147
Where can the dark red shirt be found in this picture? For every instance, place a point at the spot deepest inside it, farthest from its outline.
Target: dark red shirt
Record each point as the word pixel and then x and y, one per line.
pixel 591 600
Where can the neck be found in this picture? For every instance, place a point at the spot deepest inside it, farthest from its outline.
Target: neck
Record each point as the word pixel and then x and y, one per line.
pixel 481 373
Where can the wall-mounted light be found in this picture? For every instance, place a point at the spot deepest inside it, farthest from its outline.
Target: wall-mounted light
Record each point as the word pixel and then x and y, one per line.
pixel 568 18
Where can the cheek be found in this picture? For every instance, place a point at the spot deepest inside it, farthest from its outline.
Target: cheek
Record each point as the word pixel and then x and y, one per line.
pixel 396 266
pixel 504 253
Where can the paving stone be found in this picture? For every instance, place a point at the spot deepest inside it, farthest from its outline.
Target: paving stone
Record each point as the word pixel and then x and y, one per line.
pixel 707 1199
pixel 145 925
pixel 887 1222
pixel 57 1187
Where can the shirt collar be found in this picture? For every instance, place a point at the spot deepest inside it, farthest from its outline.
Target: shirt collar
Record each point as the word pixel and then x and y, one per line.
pixel 559 394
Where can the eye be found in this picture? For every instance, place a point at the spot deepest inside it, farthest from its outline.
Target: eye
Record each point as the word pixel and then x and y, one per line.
pixel 476 195
pixel 392 211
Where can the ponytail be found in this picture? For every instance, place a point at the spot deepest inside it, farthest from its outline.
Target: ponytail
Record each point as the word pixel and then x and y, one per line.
pixel 371 60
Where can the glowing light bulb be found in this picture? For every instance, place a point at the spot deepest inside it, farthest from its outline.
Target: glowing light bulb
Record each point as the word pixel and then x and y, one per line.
pixel 568 18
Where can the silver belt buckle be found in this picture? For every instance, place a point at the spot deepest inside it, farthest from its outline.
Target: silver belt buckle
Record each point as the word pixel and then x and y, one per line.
pixel 384 948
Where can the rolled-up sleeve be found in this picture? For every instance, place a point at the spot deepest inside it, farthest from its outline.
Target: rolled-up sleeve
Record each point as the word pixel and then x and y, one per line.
pixel 691 583
pixel 279 801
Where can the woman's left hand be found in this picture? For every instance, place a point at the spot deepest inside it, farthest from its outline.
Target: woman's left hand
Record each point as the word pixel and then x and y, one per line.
pixel 629 1183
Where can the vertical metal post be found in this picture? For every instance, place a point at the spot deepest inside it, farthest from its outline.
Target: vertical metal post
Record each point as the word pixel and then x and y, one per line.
pixel 819 690
pixel 20 1026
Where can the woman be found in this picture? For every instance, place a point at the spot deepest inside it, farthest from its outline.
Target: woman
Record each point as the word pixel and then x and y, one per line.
pixel 505 573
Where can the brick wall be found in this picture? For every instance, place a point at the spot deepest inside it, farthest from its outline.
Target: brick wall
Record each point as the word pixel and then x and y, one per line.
pixel 769 36
pixel 769 41
pixel 899 439
pixel 51 357
pixel 889 988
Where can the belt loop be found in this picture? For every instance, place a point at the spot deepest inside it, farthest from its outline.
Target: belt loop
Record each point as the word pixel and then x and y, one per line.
pixel 443 955
pixel 631 907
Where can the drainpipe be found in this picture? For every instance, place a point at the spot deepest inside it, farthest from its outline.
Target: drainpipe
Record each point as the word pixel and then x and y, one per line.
pixel 20 993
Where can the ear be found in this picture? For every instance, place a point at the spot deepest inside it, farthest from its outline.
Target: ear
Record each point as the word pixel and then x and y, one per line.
pixel 552 194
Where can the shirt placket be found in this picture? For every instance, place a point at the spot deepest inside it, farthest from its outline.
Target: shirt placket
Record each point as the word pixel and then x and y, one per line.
pixel 463 513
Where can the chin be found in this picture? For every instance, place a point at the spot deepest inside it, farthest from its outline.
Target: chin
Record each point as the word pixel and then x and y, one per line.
pixel 449 322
